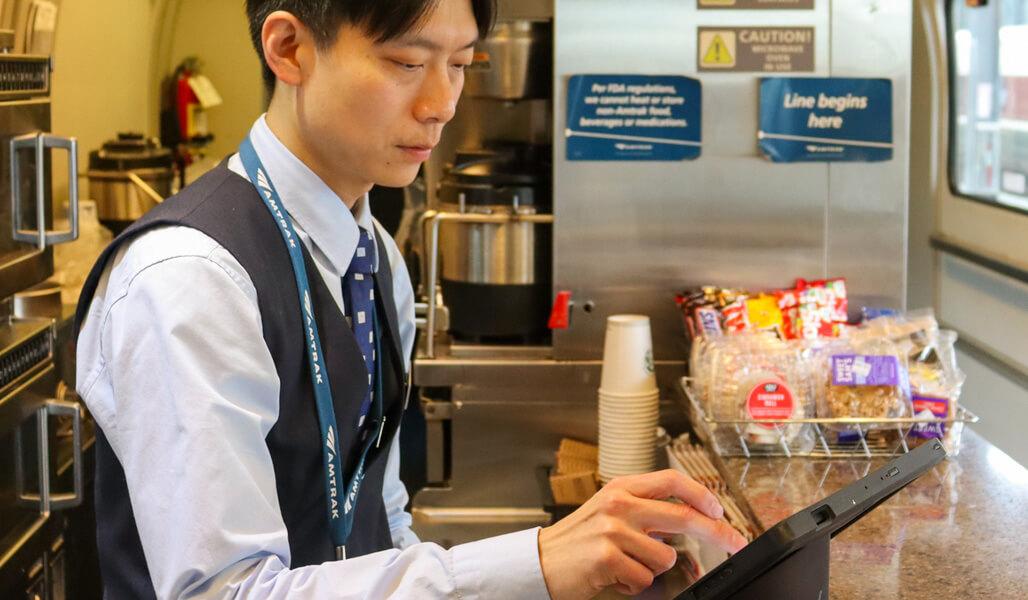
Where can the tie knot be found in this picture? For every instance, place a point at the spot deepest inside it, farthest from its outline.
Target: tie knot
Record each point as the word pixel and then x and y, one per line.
pixel 364 256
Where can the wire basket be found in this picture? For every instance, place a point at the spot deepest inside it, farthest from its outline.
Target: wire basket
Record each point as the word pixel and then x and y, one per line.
pixel 846 437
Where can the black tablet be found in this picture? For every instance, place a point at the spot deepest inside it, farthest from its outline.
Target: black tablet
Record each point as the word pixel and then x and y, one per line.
pixel 815 524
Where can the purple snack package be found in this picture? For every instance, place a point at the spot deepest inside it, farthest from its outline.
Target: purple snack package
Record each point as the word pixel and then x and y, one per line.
pixel 938 408
pixel 862 369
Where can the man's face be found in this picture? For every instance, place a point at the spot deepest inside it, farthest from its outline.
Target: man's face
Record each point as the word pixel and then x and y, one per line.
pixel 371 112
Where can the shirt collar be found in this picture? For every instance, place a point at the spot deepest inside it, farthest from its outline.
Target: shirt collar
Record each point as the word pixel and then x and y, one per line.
pixel 315 208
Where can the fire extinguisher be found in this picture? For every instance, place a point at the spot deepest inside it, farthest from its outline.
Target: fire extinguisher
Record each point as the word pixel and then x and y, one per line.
pixel 187 104
pixel 184 125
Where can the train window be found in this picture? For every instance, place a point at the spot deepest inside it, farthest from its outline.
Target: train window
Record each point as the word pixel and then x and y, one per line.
pixel 989 153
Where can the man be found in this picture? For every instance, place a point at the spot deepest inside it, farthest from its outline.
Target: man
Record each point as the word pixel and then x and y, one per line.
pixel 248 445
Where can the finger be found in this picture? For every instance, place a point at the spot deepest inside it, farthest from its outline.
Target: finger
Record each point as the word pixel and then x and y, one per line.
pixel 632 575
pixel 657 556
pixel 671 517
pixel 671 483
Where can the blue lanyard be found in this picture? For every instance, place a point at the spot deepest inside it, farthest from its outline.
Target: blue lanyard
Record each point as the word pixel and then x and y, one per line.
pixel 340 508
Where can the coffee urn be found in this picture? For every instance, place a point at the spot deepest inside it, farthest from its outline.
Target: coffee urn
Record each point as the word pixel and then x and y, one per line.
pixel 496 275
pixel 127 177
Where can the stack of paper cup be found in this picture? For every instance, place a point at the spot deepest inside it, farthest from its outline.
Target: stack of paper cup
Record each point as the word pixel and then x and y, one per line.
pixel 628 398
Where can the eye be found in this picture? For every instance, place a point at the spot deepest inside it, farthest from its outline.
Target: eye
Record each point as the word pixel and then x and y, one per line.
pixel 461 67
pixel 407 66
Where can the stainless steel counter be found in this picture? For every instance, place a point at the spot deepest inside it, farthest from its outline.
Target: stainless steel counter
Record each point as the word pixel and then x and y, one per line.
pixel 502 366
pixel 495 416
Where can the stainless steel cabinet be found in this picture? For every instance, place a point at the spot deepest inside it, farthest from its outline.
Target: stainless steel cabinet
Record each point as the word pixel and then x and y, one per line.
pixel 40 466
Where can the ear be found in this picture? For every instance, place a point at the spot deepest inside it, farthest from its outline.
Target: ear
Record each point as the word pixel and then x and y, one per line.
pixel 288 47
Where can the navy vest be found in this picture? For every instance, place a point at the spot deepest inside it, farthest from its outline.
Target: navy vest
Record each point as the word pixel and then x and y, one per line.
pixel 226 207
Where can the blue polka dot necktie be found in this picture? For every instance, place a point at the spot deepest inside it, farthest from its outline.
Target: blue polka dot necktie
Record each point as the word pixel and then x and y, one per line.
pixel 359 301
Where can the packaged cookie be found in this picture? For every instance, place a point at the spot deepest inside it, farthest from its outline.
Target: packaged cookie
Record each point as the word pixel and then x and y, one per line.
pixel 864 378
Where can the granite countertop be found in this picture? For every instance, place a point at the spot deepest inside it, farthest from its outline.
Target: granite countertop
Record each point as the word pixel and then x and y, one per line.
pixel 959 531
pixel 956 532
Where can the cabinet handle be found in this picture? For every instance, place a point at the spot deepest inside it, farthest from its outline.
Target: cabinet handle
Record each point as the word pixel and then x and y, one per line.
pixel 69 409
pixel 39 142
pixel 46 499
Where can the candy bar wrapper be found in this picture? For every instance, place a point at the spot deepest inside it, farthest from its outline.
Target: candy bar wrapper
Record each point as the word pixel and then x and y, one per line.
pixel 736 319
pixel 788 304
pixel 707 321
pixel 682 300
pixel 689 302
pixel 764 314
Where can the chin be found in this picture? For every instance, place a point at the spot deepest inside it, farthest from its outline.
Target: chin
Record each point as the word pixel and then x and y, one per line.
pixel 397 177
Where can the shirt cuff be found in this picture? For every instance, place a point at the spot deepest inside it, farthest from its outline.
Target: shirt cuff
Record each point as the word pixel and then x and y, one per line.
pixel 503 567
pixel 404 537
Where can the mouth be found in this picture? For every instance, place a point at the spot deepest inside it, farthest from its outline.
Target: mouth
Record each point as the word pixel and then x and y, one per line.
pixel 420 153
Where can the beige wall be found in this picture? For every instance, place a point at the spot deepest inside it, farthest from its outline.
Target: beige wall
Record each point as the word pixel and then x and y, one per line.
pixel 101 70
pixel 217 33
pixel 110 56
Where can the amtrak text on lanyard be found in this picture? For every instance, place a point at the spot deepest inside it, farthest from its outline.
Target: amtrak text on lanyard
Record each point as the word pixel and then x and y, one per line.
pixel 340 522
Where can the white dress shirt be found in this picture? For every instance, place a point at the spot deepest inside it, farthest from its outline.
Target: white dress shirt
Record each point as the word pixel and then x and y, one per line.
pixel 173 365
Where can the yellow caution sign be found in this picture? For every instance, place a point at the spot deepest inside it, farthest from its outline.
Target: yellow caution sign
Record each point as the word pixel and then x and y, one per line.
pixel 717 49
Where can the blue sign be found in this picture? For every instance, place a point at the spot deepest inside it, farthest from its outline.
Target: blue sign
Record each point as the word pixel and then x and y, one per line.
pixel 633 117
pixel 825 119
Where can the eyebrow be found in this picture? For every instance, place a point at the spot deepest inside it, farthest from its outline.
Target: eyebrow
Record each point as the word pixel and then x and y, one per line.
pixel 427 44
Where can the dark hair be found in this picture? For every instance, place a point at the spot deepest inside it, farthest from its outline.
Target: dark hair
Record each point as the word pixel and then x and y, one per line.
pixel 383 20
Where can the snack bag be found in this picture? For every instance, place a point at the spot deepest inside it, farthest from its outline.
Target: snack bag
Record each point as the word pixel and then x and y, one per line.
pixel 822 308
pixel 764 314
pixel 788 305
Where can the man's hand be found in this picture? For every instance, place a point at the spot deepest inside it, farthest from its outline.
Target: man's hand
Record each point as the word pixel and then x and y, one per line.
pixel 607 541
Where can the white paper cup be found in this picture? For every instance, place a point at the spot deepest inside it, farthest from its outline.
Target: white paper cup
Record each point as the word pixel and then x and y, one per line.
pixel 622 404
pixel 630 455
pixel 628 434
pixel 614 412
pixel 628 356
pixel 614 417
pixel 633 455
pixel 616 447
pixel 625 463
pixel 609 472
pixel 653 394
pixel 632 405
pixel 651 402
pixel 607 401
pixel 639 429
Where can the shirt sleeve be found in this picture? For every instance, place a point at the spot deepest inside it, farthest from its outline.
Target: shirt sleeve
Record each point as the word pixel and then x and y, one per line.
pixel 394 492
pixel 394 495
pixel 191 393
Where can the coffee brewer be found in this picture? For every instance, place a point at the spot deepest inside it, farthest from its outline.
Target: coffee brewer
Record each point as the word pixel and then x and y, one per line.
pixel 488 237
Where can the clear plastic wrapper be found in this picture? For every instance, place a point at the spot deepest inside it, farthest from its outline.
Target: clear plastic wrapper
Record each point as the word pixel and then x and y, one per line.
pixel 911 330
pixel 935 379
pixel 935 384
pixel 759 377
pixel 892 369
pixel 864 377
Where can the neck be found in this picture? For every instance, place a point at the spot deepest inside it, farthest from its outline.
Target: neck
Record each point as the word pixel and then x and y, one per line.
pixel 282 121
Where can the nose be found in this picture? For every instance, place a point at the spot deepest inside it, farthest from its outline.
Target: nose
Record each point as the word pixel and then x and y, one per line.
pixel 437 102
